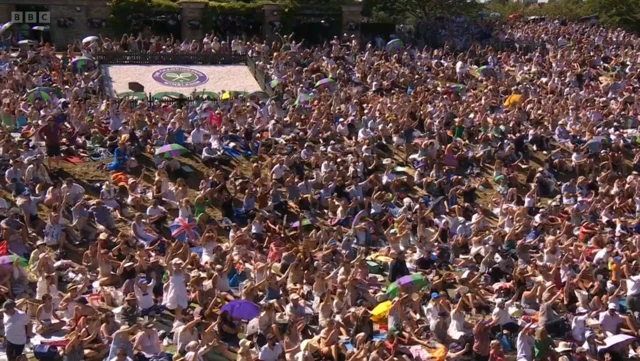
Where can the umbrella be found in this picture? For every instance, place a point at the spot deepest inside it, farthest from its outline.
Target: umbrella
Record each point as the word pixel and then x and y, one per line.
pixel 324 81
pixel 416 280
pixel 274 83
pixel 241 309
pixel 303 98
pixel 394 45
pixel 134 95
pixel 27 42
pixel 356 219
pixel 40 28
pixel 10 259
pixel 620 340
pixel 305 222
pixel 259 94
pixel 89 39
pixel 457 87
pixel 380 311
pixel 515 16
pixel 161 95
pixel 5 26
pixel 34 95
pixel 80 62
pixel 495 15
pixel 184 231
pixel 171 150
pixel 207 94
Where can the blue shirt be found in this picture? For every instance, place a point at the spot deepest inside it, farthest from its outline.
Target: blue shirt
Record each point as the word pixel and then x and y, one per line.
pixel 178 136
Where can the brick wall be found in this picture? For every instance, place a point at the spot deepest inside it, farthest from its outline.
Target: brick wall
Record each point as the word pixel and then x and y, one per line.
pixel 5 12
pixel 191 11
pixel 79 10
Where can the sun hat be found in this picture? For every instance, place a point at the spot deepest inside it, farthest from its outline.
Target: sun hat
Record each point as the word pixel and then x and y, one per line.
pixel 564 346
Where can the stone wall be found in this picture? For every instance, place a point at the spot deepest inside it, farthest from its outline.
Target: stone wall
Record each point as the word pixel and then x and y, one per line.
pixel 5 12
pixel 79 10
pixel 271 17
pixel 191 11
pixel 351 20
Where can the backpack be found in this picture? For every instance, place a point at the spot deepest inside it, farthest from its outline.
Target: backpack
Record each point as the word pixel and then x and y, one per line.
pixel 45 352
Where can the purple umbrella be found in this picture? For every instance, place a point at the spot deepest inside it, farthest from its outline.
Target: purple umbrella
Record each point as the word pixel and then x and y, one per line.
pixel 241 309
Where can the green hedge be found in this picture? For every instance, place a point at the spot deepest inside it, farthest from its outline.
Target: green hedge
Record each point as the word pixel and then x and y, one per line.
pixel 236 8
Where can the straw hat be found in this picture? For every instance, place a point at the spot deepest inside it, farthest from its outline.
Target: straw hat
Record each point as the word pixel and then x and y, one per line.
pixel 131 297
pixel 564 346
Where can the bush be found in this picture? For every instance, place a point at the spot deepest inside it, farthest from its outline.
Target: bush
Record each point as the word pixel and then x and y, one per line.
pixel 122 11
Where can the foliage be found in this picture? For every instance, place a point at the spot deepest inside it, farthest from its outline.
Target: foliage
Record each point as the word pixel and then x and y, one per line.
pixel 237 8
pixel 420 9
pixel 617 13
pixel 122 10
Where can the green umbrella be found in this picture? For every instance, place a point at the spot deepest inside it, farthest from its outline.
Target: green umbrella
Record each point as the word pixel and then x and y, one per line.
pixel 171 150
pixel 161 95
pixel 207 94
pixel 33 96
pixel 134 95
pixel 415 281
pixel 51 91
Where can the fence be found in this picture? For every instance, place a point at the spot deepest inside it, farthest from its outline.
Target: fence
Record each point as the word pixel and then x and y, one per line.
pixel 119 57
pixel 260 76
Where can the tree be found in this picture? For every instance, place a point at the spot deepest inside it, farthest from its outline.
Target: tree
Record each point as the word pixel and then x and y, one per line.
pixel 424 9
pixel 620 13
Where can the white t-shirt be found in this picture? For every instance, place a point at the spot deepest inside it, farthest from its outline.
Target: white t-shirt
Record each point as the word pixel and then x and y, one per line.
pixel 268 354
pixel 155 211
pixel 278 171
pixel 633 286
pixel 578 327
pixel 524 347
pixel 197 136
pixel 15 330
pixel 609 323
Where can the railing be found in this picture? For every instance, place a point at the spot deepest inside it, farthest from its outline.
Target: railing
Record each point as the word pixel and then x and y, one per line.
pixel 119 57
pixel 260 76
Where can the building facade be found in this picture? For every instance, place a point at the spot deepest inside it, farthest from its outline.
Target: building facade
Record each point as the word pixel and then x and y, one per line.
pixel 71 20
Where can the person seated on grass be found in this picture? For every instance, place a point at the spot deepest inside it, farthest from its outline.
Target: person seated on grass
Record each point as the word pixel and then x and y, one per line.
pixel 47 319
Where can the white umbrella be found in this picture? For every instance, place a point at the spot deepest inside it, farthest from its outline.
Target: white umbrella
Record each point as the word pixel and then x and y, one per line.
pixel 89 39
pixel 617 340
pixel 27 42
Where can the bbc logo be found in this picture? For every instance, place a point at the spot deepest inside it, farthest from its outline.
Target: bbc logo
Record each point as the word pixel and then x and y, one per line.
pixel 31 17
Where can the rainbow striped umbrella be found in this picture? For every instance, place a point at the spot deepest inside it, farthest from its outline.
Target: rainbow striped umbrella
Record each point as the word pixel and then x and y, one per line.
pixel 5 261
pixel 5 26
pixel 324 81
pixel 394 45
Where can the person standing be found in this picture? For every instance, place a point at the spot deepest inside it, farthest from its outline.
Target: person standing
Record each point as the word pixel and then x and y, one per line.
pixel 51 132
pixel 17 330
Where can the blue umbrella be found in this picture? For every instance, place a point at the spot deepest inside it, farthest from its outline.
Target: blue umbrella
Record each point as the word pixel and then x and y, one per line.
pixel 242 309
pixel 184 231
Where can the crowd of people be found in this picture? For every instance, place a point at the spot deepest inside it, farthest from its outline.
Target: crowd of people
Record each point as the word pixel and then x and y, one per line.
pixel 389 203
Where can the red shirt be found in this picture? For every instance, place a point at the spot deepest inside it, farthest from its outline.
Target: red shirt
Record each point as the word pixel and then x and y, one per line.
pixel 51 134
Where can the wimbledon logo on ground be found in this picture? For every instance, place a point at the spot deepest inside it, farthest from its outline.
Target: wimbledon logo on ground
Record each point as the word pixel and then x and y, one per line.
pixel 179 77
